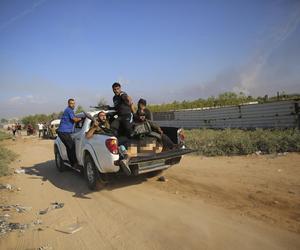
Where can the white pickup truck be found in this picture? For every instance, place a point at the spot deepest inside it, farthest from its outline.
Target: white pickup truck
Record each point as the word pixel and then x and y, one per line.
pixel 99 156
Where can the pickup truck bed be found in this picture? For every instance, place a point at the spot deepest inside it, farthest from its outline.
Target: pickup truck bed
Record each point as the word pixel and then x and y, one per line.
pixel 144 164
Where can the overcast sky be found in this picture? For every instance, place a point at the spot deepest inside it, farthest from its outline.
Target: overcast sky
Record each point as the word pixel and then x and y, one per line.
pixel 51 50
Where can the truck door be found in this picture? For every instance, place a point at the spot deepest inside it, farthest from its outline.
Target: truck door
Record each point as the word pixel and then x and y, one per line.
pixel 78 137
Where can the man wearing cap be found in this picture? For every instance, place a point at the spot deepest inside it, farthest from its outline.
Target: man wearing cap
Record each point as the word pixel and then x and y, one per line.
pixel 142 103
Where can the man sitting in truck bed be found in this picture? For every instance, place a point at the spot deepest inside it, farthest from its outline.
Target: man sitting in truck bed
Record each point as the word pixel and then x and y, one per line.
pixel 142 106
pixel 144 127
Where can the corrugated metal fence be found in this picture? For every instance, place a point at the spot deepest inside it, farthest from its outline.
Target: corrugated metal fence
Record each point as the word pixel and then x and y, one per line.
pixel 281 114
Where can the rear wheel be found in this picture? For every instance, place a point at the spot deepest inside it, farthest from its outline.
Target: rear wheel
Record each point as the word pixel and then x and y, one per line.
pixel 59 161
pixel 91 173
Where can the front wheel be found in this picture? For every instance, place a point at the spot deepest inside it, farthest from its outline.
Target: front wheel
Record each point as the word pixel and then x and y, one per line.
pixel 91 173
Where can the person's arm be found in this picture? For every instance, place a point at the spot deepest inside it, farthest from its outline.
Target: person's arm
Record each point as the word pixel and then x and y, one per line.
pixel 132 108
pixel 155 127
pixel 128 100
pixel 130 104
pixel 148 114
pixel 76 119
pixel 73 117
pixel 92 130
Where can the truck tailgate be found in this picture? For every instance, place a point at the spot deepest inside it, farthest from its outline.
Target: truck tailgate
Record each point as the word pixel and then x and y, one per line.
pixel 144 164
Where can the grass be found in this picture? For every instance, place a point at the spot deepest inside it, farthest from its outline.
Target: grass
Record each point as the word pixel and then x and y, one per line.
pixel 210 142
pixel 4 136
pixel 6 155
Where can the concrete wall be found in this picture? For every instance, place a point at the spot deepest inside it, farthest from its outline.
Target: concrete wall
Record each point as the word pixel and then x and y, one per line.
pixel 282 114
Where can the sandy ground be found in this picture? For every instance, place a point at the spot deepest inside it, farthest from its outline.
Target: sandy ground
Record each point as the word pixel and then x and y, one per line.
pixel 249 202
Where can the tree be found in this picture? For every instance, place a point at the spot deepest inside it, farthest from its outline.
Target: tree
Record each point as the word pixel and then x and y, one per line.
pixel 59 115
pixel 79 109
pixel 3 120
pixel 40 118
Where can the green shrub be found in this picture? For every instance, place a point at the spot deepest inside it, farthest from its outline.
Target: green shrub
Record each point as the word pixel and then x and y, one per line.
pixel 4 136
pixel 240 142
pixel 6 156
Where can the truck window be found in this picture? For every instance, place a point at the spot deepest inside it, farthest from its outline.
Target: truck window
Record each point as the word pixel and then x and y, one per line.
pixel 79 125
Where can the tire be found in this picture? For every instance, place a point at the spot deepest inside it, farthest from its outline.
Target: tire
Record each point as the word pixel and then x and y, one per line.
pixel 91 173
pixel 59 161
pixel 154 173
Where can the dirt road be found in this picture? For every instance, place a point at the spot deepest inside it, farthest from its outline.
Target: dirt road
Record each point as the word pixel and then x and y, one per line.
pixel 207 203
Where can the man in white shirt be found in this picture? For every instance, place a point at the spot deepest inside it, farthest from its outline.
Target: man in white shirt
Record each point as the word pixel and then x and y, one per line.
pixel 40 126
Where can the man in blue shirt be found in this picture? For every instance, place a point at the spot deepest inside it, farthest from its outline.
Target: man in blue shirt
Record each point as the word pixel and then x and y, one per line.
pixel 65 130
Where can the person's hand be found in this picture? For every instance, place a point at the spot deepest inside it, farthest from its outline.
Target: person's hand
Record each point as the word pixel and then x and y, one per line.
pixel 96 124
pixel 77 119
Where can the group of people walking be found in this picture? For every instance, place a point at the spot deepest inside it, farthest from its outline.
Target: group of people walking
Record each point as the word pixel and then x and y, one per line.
pixel 16 129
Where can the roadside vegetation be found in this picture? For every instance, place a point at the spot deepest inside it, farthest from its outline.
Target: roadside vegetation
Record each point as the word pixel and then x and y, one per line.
pixel 4 136
pixel 35 119
pixel 6 155
pixel 224 99
pixel 211 142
